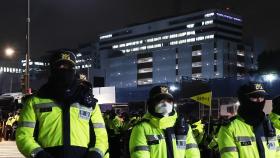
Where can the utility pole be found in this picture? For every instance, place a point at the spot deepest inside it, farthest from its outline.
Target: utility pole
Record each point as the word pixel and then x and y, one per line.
pixel 28 48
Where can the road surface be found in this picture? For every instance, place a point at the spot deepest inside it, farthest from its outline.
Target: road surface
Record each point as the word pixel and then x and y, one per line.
pixel 8 149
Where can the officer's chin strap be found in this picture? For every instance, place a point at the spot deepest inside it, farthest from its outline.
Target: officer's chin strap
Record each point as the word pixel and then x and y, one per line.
pixel 269 130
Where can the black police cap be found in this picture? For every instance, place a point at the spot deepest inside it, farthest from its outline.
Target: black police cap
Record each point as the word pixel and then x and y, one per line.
pixel 63 56
pixel 159 93
pixel 252 89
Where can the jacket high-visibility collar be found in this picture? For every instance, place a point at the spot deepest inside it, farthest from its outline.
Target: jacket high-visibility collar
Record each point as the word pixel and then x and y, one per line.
pixel 161 123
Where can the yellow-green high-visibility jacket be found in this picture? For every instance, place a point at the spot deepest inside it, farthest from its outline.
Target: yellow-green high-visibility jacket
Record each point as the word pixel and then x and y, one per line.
pixel 275 119
pixel 53 135
pixel 16 117
pixel 237 140
pixel 147 139
pixel 198 131
pixel 10 121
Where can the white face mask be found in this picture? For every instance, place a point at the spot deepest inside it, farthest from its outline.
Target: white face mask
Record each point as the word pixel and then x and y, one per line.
pixel 164 108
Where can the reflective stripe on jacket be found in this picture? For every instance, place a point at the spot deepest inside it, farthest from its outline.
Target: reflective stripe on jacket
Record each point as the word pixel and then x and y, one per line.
pixel 148 140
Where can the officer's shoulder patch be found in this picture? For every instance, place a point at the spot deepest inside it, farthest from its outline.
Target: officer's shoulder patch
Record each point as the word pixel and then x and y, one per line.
pixel 228 121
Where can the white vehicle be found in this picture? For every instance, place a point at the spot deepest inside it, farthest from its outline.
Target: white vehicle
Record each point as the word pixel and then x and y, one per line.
pixel 16 95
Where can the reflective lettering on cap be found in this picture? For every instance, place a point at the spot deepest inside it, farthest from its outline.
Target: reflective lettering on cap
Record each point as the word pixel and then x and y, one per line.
pixel 65 56
pixel 258 87
pixel 163 89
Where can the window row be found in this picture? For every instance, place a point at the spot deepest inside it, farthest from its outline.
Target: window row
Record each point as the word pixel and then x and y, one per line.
pixel 155 39
pixel 10 70
pixel 145 81
pixel 106 36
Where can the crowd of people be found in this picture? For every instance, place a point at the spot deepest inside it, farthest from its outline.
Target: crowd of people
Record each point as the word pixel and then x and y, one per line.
pixel 63 119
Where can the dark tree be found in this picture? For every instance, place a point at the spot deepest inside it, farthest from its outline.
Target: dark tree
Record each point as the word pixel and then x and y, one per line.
pixel 269 61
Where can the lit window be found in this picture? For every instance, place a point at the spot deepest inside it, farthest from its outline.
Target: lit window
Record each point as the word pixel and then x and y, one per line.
pixel 122 45
pixel 173 36
pixel 240 64
pixel 39 63
pixel 190 33
pixel 165 37
pixel 150 46
pixel 199 38
pixel 106 36
pixel 157 39
pixel 209 37
pixel 150 40
pixel 123 51
pixel 197 75
pixel 145 70
pixel 215 62
pixel 240 53
pixel 143 48
pixel 182 34
pixel 196 64
pixel 191 40
pixel 127 50
pixel 145 81
pixel 190 25
pixel 157 45
pixel 208 15
pixel 196 53
pixel 208 22
pixel 135 49
pixel 173 43
pixel 182 41
pixel 145 60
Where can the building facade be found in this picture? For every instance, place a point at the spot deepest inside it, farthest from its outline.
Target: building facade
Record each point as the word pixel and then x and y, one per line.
pixel 10 74
pixel 206 44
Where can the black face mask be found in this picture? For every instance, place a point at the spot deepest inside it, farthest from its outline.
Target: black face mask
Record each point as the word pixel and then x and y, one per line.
pixel 62 78
pixel 252 112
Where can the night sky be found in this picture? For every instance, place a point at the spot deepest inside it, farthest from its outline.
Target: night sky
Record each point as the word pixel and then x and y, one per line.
pixel 68 23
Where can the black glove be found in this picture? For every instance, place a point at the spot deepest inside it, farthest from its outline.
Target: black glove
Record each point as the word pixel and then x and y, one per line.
pixel 43 154
pixel 181 127
pixel 93 154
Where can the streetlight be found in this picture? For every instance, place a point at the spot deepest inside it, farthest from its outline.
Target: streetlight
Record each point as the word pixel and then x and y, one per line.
pixel 270 77
pixel 9 52
pixel 173 88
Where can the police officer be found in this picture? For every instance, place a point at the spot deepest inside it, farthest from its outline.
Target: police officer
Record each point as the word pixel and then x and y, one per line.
pixel 275 114
pixel 159 135
pixel 250 133
pixel 8 131
pixel 62 119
